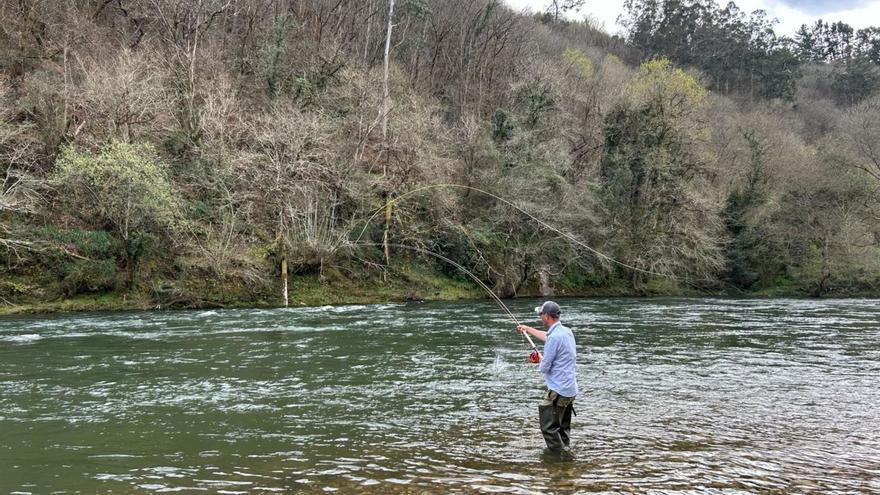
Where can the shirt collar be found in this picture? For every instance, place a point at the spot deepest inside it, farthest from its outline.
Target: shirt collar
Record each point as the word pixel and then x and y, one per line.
pixel 553 327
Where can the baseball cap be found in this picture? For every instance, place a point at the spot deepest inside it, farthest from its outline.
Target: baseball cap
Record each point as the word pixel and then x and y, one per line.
pixel 549 307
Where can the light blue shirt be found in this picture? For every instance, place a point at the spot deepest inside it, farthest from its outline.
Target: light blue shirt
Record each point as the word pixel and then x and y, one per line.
pixel 558 364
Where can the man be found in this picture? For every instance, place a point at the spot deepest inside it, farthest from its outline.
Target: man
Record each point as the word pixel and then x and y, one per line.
pixel 558 367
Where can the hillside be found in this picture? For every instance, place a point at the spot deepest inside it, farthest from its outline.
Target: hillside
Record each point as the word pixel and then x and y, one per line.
pixel 183 153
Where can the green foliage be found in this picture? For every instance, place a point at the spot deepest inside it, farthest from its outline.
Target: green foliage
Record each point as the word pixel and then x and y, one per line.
pixel 275 53
pixel 88 276
pixel 200 210
pixel 304 88
pixel 124 185
pixel 855 81
pixel 747 255
pixel 739 54
pixel 834 41
pixel 668 88
pixel 580 64
pixel 502 126
pixel 539 100
pixel 82 261
pixel 95 244
pixel 652 176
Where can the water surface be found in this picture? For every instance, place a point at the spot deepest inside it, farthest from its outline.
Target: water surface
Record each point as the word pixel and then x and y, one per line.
pixel 678 396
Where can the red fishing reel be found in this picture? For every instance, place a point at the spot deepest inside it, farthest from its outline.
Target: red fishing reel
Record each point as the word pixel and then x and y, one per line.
pixel 534 357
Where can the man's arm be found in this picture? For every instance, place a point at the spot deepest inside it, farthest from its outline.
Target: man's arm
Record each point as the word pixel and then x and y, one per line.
pixel 532 331
pixel 551 348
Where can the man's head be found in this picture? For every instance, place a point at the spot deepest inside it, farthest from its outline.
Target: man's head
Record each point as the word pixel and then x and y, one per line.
pixel 548 312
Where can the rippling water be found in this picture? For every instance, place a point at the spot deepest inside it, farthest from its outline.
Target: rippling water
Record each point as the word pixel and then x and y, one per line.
pixel 696 396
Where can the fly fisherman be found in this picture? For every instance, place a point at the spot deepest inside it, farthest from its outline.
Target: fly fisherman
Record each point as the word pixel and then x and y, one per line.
pixel 558 367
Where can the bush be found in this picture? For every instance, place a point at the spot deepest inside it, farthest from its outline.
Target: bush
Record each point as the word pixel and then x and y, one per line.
pixel 129 189
pixel 85 261
pixel 85 276
pixel 87 243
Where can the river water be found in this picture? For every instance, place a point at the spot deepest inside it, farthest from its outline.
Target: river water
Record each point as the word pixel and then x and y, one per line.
pixel 678 396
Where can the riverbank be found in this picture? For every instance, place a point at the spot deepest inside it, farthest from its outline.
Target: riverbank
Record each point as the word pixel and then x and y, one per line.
pixel 407 284
pixel 412 283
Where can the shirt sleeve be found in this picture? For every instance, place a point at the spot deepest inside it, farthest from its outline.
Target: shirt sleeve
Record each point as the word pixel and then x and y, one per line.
pixel 550 349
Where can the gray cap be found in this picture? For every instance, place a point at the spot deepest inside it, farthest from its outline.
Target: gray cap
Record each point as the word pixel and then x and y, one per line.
pixel 549 308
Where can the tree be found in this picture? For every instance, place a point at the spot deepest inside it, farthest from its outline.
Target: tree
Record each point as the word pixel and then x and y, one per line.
pixel 557 7
pixel 738 53
pixel 658 204
pixel 857 79
pixel 868 44
pixel 861 129
pixel 125 186
pixel 742 267
pixel 296 183
pixel 386 109
pixel 19 189
pixel 826 220
pixel 185 25
pixel 122 97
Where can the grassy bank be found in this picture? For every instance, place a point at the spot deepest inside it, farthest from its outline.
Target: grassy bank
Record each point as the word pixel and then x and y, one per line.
pixel 408 283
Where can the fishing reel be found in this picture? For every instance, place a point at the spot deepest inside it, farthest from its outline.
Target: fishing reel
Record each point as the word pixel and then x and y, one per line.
pixel 534 357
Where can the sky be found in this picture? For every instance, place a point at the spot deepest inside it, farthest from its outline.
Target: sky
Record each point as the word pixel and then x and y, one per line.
pixel 790 13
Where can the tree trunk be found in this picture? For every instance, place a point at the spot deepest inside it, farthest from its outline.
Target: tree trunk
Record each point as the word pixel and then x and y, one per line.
pixel 284 278
pixel 826 268
pixel 386 108
pixel 279 246
pixel 369 24
pixel 386 95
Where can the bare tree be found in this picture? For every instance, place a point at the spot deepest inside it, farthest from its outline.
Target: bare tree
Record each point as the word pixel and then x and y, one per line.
pixel 557 7
pixel 296 181
pixel 386 109
pixel 122 96
pixel 19 194
pixel 862 129
pixel 185 24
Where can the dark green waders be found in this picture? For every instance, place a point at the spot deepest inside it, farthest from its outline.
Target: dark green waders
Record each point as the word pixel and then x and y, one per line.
pixel 555 418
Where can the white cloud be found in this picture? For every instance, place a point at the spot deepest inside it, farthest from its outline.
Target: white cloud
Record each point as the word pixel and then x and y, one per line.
pixel 857 13
pixel 790 19
pixel 820 7
pixel 604 13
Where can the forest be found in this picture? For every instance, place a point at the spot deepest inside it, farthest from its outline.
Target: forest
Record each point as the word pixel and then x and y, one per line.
pixel 194 153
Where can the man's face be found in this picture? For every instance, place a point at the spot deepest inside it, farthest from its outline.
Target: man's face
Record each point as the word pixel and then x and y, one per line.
pixel 545 319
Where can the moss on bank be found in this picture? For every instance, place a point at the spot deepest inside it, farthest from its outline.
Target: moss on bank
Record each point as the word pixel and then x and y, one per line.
pixel 411 282
pixel 406 283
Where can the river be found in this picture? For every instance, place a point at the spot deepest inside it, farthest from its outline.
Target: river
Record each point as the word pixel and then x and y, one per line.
pixel 677 396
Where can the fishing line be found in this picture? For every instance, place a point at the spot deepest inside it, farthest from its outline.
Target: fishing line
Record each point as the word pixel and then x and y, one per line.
pixel 476 279
pixel 467 272
pixel 544 224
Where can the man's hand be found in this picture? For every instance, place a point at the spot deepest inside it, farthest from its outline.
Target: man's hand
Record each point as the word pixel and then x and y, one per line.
pixel 524 328
pixel 542 336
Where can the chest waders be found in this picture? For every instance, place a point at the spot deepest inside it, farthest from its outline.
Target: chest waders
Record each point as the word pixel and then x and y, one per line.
pixel 555 419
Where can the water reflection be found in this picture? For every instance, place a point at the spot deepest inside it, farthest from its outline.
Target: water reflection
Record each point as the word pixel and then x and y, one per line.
pixel 680 396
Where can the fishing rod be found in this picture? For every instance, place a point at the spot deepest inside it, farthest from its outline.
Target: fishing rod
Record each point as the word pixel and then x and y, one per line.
pixel 535 356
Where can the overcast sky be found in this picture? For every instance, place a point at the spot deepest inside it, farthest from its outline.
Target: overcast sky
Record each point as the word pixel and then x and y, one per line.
pixel 790 13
